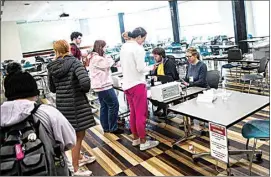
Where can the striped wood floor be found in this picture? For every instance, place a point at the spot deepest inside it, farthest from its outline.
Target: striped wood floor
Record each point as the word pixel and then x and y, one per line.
pixel 116 156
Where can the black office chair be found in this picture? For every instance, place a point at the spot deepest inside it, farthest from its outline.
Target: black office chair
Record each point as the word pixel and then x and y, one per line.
pixel 213 78
pixel 214 50
pixel 233 55
pixel 259 76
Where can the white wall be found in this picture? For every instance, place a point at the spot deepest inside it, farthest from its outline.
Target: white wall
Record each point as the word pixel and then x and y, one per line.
pixel 250 18
pixel 41 35
pixel 261 17
pixel 10 42
pixel 226 17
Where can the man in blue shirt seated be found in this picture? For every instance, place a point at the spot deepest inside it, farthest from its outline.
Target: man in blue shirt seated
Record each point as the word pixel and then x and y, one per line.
pixel 196 70
pixel 165 71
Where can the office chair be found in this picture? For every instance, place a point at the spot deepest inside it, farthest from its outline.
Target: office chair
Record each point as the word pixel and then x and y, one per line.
pixel 260 75
pixel 257 130
pixel 233 55
pixel 204 51
pixel 215 50
pixel 213 78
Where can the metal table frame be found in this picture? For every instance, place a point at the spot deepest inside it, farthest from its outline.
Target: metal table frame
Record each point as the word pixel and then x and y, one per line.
pixel 189 135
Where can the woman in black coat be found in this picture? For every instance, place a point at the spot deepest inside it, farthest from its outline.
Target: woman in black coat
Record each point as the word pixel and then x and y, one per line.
pixel 68 78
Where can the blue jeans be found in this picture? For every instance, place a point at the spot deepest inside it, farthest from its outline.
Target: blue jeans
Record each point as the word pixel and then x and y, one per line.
pixel 109 109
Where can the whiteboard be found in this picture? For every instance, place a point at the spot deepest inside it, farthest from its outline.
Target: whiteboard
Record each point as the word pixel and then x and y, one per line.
pixel 41 35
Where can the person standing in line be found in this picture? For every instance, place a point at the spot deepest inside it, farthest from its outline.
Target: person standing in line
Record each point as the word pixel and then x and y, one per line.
pixel 101 83
pixel 68 78
pixel 125 36
pixel 132 57
pixel 76 38
pixel 22 92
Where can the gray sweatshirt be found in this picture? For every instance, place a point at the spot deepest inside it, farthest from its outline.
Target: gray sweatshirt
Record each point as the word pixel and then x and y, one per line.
pixel 196 74
pixel 54 122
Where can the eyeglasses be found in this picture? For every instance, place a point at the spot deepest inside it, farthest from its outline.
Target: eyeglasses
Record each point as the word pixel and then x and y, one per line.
pixel 79 38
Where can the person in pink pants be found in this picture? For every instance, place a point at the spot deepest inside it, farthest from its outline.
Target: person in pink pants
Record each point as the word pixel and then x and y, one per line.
pixel 132 58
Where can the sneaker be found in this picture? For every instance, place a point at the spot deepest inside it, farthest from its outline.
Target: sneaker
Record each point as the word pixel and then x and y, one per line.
pixel 86 160
pixel 94 110
pixel 82 173
pixel 148 144
pixel 118 131
pixel 136 142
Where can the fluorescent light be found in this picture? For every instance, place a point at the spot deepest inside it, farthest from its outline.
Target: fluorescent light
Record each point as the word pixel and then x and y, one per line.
pixel 42 9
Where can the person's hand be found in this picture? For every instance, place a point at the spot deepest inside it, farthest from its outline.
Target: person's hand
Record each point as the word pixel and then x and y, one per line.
pixel 154 78
pixel 186 84
pixel 155 67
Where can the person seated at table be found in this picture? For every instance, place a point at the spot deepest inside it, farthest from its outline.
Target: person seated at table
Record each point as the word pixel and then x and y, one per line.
pixel 196 70
pixel 165 72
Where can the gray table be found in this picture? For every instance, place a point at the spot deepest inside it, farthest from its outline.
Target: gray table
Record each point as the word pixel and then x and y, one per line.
pixel 250 40
pixel 188 92
pixel 226 113
pixel 224 46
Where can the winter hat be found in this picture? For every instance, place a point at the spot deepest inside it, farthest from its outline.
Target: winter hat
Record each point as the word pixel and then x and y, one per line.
pixel 20 85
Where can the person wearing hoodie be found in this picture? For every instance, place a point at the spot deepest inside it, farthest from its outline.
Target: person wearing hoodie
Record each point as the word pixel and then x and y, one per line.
pixel 21 92
pixel 68 78
pixel 101 83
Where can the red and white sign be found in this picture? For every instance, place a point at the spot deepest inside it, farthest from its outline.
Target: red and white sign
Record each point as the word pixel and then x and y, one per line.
pixel 218 142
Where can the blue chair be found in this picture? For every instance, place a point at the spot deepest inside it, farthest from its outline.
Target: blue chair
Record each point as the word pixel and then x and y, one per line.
pixel 257 130
pixel 204 51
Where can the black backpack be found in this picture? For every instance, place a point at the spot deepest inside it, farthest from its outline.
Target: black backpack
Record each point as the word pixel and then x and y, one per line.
pixel 21 157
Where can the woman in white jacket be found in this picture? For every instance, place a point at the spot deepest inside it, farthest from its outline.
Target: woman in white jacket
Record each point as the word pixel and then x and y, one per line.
pixel 132 57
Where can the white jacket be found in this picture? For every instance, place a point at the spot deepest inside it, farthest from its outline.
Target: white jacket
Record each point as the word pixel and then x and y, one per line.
pixel 132 58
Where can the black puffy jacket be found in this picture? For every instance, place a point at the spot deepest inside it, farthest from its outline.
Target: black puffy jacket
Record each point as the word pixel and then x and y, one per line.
pixel 70 81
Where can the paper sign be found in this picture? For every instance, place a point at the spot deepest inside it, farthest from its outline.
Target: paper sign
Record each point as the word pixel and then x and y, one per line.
pixel 218 142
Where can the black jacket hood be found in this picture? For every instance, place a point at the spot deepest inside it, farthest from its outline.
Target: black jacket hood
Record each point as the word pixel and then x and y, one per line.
pixel 61 66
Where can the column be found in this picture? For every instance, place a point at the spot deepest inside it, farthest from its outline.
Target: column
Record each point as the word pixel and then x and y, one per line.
pixel 173 4
pixel 239 23
pixel 121 24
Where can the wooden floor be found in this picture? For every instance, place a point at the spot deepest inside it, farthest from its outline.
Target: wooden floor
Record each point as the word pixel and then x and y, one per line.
pixel 116 156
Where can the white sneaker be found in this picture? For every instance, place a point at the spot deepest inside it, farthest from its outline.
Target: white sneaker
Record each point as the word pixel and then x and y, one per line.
pixel 82 173
pixel 148 144
pixel 136 142
pixel 86 160
pixel 94 110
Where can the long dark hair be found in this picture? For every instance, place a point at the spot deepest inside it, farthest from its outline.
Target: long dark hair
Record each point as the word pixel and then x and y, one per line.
pixel 137 32
pixel 98 47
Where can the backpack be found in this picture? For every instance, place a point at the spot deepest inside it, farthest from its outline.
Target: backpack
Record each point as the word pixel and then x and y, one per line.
pixel 22 157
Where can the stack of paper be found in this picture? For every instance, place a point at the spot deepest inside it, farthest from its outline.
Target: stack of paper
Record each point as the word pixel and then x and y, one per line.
pixel 207 96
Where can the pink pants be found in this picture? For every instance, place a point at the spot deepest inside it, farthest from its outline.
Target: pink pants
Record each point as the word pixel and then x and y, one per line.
pixel 137 100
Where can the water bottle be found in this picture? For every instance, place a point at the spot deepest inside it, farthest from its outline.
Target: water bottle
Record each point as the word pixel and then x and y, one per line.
pixel 224 91
pixel 220 52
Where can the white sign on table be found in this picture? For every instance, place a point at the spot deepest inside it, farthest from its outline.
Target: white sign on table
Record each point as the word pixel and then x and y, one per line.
pixel 218 142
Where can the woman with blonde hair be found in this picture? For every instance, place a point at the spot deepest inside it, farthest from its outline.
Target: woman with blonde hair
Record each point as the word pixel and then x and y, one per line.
pixel 196 69
pixel 68 78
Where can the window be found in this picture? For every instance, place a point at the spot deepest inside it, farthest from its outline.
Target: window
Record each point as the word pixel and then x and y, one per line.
pixel 156 22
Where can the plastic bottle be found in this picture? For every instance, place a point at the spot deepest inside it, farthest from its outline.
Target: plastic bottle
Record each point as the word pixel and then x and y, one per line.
pixel 220 52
